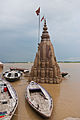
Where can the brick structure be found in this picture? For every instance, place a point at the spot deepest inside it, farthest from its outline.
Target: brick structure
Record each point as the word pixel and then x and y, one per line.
pixel 45 68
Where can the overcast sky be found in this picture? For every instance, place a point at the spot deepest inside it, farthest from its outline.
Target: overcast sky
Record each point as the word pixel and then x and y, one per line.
pixel 19 28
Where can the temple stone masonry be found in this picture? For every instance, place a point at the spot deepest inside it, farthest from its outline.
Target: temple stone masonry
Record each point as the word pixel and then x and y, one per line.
pixel 45 68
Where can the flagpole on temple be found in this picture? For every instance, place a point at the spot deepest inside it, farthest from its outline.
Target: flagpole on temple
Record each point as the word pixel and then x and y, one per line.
pixel 38 14
pixel 39 31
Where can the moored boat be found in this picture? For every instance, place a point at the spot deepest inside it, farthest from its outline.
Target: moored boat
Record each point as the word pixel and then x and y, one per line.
pixel 8 100
pixel 12 75
pixel 39 99
pixel 20 69
pixel 64 74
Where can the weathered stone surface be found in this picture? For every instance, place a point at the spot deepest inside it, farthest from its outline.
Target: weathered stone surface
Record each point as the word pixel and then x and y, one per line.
pixel 45 68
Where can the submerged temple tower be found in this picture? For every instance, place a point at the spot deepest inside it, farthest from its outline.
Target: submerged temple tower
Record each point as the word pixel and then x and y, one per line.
pixel 45 68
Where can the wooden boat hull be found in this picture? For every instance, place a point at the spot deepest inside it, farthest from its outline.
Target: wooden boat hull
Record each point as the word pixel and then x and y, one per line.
pixel 12 78
pixel 20 69
pixel 9 104
pixel 43 113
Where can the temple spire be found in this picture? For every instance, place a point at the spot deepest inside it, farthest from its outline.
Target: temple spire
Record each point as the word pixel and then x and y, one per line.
pixel 45 68
pixel 45 26
pixel 45 34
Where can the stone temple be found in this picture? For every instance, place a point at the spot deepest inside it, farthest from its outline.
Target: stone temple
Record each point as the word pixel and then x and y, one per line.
pixel 45 68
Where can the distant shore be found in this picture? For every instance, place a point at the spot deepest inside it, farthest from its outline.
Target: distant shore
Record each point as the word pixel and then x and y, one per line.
pixel 57 61
pixel 17 62
pixel 68 61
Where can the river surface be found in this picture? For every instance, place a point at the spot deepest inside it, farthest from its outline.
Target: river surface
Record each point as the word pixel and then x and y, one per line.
pixel 65 95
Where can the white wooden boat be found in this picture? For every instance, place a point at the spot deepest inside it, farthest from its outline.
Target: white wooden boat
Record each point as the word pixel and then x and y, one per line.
pixel 5 72
pixel 12 75
pixel 39 99
pixel 20 69
pixel 8 100
pixel 23 71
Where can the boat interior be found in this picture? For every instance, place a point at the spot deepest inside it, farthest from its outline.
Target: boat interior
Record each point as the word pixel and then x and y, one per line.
pixel 12 74
pixel 5 97
pixel 39 99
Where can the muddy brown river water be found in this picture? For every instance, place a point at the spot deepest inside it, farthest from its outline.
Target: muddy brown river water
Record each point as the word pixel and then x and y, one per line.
pixel 66 96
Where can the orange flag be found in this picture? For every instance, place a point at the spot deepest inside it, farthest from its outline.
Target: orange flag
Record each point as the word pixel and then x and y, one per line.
pixel 38 11
pixel 42 19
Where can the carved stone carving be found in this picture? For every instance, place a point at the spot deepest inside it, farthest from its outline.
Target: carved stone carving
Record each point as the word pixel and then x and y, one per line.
pixel 45 68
